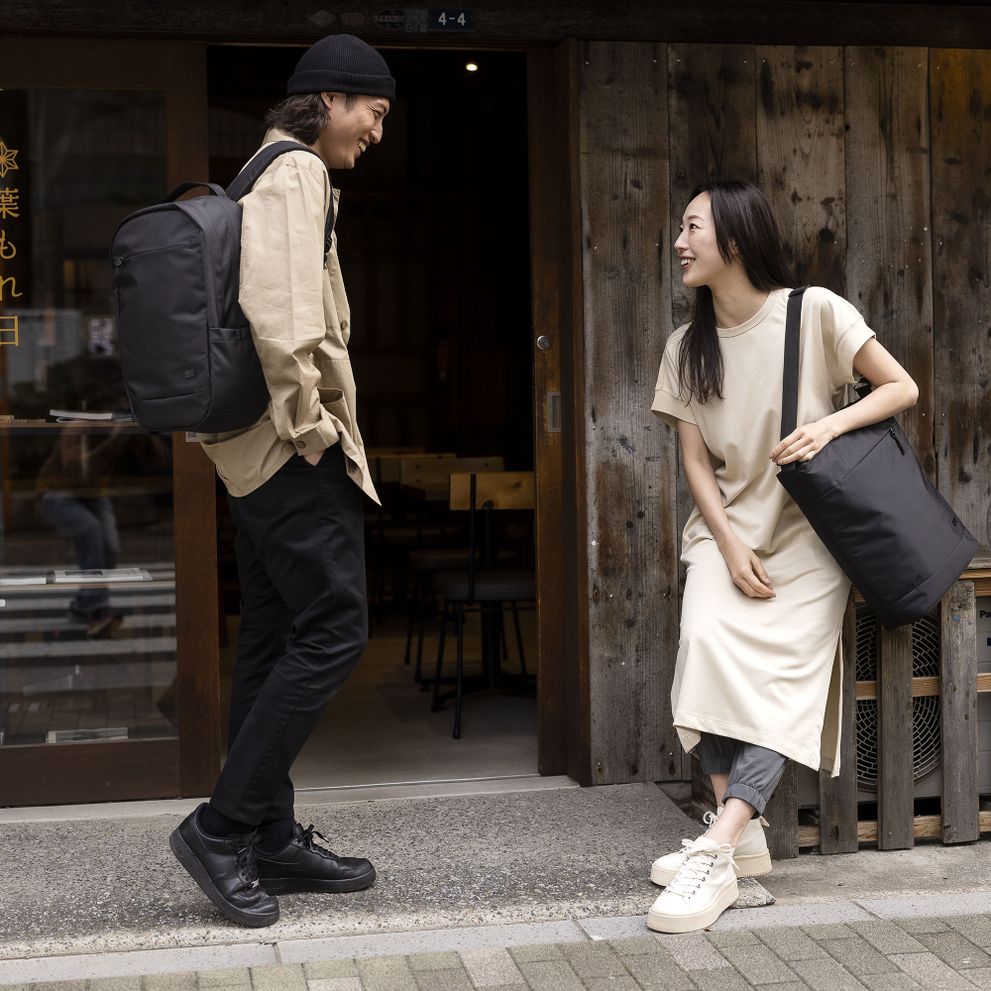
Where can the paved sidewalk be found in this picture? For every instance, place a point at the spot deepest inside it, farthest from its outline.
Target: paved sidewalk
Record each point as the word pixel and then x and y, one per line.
pixel 499 891
pixel 784 948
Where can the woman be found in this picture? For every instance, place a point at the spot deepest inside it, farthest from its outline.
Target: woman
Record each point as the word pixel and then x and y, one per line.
pixel 754 681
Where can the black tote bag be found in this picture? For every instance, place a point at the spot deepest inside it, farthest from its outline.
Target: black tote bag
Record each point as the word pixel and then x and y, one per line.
pixel 866 496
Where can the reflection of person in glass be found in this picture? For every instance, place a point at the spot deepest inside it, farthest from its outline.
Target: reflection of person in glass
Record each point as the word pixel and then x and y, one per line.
pixel 74 498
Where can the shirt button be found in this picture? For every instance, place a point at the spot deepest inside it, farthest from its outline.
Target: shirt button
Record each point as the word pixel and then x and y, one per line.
pixel 344 325
pixel 301 443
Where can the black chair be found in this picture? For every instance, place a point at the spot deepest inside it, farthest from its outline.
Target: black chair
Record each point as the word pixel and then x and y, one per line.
pixel 423 483
pixel 481 587
pixel 396 527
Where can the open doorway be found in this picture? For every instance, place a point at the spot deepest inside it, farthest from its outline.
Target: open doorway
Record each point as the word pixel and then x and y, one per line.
pixel 433 238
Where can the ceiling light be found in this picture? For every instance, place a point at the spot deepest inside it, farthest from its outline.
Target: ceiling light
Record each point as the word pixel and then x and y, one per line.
pixel 471 67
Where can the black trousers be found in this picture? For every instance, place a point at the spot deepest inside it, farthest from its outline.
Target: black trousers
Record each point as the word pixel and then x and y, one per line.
pixel 304 624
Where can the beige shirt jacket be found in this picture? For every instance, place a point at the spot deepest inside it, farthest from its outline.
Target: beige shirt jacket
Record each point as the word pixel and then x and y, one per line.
pixel 298 310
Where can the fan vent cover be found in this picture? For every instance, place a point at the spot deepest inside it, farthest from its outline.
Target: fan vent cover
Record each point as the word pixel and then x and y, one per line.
pixel 926 746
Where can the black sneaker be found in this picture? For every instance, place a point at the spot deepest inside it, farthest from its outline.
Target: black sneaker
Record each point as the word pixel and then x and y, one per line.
pixel 226 869
pixel 302 865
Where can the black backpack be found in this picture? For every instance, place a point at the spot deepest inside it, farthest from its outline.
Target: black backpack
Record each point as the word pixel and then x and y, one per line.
pixel 186 351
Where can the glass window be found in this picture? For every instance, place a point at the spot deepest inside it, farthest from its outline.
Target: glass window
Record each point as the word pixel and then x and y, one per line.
pixel 87 565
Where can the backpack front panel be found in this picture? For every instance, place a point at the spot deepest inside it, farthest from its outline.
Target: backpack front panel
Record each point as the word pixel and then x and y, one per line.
pixel 163 321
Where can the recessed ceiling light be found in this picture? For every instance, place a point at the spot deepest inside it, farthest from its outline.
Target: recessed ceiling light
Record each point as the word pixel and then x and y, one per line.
pixel 471 67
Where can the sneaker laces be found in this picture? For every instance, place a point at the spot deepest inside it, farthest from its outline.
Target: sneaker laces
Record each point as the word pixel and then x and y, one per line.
pixel 306 838
pixel 247 862
pixel 699 860
pixel 687 848
pixel 688 845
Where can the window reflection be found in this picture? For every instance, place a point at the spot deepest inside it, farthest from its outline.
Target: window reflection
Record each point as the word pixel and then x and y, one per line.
pixel 87 575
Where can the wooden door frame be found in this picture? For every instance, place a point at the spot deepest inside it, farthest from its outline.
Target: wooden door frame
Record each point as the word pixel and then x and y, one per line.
pixel 153 768
pixel 555 239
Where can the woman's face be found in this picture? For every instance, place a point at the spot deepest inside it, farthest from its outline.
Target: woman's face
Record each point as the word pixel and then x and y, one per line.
pixel 698 253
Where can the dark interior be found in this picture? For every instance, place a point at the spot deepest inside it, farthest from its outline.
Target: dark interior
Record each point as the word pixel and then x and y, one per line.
pixel 433 240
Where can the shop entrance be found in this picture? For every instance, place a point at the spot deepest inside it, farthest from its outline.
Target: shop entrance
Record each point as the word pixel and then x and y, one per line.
pixel 454 238
pixel 433 237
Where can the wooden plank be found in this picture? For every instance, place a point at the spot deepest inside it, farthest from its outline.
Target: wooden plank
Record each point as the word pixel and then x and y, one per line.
pixel 630 460
pixel 923 828
pixel 895 778
pixel 889 243
pixel 576 588
pixel 436 472
pixel 922 687
pixel 503 22
pixel 981 577
pixel 90 772
pixel 960 101
pixel 711 107
pixel 838 796
pixel 710 135
pixel 800 157
pixel 782 816
pixel 500 489
pixel 958 712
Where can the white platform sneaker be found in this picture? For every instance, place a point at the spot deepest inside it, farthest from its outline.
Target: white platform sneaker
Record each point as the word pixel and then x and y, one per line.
pixel 704 887
pixel 752 856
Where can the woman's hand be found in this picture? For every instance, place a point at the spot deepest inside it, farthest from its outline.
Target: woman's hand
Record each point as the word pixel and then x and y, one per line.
pixel 804 443
pixel 745 568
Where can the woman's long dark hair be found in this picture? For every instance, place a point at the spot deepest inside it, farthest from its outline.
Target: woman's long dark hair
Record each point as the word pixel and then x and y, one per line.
pixel 744 221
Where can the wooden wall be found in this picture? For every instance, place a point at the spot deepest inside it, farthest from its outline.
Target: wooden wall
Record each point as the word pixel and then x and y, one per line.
pixel 876 161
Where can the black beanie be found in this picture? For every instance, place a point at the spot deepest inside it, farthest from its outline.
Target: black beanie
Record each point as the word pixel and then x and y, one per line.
pixel 342 63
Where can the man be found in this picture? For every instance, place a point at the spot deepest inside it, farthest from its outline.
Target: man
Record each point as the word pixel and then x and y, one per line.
pixel 294 481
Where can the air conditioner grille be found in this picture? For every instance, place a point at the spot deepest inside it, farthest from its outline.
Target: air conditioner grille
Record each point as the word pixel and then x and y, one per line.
pixel 925 710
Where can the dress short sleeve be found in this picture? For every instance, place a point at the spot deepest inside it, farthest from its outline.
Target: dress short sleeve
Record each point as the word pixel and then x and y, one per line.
pixel 668 403
pixel 844 333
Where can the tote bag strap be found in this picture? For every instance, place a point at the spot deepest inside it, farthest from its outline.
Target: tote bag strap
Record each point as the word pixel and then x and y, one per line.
pixel 789 381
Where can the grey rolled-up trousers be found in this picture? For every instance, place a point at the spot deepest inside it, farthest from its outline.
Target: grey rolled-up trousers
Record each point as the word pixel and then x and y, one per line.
pixel 754 772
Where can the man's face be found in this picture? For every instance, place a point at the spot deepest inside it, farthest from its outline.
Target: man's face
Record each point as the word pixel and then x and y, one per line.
pixel 349 132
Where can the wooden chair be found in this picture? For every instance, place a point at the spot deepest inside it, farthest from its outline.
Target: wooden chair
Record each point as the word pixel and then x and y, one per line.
pixel 481 587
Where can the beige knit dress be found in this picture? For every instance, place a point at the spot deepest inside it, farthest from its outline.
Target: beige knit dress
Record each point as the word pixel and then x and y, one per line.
pixel 762 670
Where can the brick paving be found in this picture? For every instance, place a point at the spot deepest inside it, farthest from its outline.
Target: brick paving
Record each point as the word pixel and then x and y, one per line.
pixel 939 954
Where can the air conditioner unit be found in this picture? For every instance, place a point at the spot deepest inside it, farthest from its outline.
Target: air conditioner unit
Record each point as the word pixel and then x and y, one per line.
pixel 926 745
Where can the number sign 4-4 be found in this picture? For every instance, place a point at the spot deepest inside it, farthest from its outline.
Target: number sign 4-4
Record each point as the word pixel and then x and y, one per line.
pixel 452 20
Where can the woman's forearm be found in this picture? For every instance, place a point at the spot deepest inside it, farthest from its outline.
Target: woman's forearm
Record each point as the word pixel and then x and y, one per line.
pixel 709 500
pixel 884 401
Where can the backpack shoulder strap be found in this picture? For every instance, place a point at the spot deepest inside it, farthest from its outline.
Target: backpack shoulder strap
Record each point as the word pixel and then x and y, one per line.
pixel 789 381
pixel 250 174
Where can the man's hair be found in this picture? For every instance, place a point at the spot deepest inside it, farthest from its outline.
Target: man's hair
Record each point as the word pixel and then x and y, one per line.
pixel 303 115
